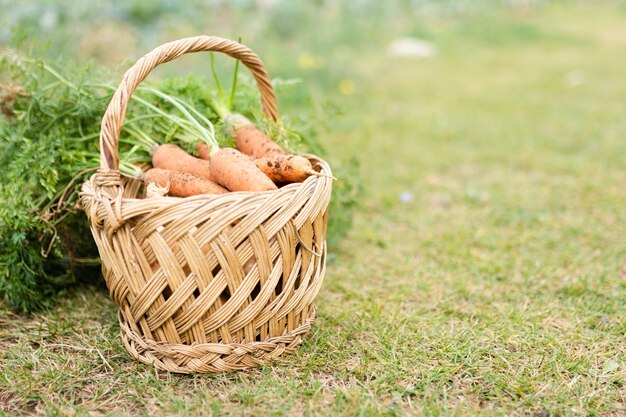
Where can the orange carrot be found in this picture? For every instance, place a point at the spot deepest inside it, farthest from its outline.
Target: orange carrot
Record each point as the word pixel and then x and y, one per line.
pixel 172 157
pixel 280 168
pixel 182 184
pixel 285 168
pixel 203 150
pixel 237 172
pixel 249 139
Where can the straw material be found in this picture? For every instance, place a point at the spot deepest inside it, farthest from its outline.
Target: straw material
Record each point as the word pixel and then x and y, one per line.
pixel 207 283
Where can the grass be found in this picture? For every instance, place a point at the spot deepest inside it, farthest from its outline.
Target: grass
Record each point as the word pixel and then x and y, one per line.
pixel 496 286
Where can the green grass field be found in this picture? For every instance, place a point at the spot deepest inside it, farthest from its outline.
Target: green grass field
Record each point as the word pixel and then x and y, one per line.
pixel 496 286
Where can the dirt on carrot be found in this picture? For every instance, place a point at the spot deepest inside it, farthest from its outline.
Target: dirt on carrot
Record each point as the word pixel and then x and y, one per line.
pixel 280 168
pixel 182 184
pixel 285 168
pixel 238 172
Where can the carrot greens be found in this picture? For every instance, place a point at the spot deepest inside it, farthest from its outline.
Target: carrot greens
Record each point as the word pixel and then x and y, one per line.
pixel 49 127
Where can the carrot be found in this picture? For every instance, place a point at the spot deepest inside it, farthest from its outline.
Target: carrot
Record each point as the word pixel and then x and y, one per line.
pixel 281 168
pixel 203 150
pixel 182 184
pixel 172 157
pixel 285 168
pixel 237 172
pixel 249 139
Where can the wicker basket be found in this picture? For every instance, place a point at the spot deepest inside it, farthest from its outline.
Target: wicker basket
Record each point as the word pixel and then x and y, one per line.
pixel 207 283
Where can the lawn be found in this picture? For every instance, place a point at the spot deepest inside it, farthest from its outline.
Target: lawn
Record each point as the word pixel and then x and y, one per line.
pixel 486 270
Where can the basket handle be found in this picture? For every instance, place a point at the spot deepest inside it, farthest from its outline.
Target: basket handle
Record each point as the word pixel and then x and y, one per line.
pixel 116 112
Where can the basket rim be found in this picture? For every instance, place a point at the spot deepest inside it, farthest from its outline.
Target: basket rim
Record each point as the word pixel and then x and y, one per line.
pixel 94 183
pixel 107 204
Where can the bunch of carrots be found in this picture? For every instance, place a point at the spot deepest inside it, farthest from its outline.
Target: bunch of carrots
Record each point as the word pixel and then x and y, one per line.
pixel 50 113
pixel 255 164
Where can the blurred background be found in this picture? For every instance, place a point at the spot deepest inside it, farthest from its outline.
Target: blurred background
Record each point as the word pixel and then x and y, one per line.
pixel 479 103
pixel 338 47
pixel 486 264
pixel 452 107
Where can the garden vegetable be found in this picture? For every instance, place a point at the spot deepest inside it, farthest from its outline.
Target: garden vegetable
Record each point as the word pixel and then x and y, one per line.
pixel 267 155
pixel 237 172
pixel 249 139
pixel 280 168
pixel 284 168
pixel 169 156
pixel 203 151
pixel 182 184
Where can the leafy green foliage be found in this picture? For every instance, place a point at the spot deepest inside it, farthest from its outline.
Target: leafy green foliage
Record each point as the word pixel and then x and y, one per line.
pixel 46 138
pixel 347 192
pixel 49 146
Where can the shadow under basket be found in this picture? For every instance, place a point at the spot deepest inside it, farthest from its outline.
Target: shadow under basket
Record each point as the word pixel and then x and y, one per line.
pixel 208 283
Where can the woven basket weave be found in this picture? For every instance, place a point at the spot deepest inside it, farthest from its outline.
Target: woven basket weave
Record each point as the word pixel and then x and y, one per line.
pixel 207 283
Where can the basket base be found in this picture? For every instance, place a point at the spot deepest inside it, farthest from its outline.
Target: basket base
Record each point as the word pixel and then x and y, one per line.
pixel 211 357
